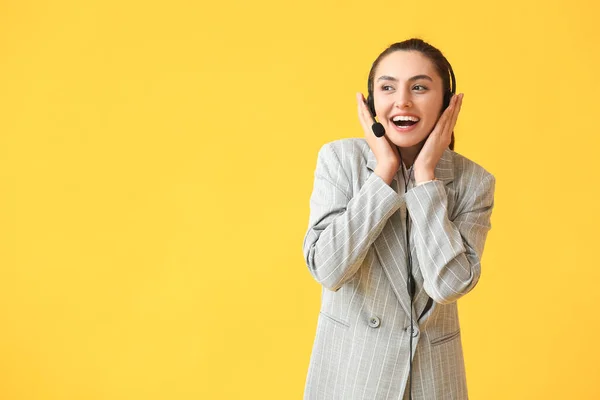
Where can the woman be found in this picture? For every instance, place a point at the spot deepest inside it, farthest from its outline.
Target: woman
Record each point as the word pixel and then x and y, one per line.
pixel 388 326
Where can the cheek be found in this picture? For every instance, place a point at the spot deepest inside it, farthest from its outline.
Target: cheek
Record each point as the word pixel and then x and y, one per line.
pixel 382 106
pixel 434 112
pixel 380 109
pixel 428 127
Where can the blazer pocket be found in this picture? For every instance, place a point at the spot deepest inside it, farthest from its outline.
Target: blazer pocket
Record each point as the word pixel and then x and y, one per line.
pixel 445 338
pixel 335 320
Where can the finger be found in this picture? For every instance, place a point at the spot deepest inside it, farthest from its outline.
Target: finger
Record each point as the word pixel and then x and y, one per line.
pixel 456 111
pixel 363 115
pixel 366 113
pixel 360 109
pixel 360 104
pixel 451 117
pixel 440 127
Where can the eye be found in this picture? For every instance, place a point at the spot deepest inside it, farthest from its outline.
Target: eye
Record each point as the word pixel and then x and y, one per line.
pixel 420 87
pixel 387 88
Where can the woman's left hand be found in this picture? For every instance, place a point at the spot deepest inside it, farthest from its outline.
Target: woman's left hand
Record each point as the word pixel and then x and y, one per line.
pixel 437 142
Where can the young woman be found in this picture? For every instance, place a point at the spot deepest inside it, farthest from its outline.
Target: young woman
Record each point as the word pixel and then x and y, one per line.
pixel 388 326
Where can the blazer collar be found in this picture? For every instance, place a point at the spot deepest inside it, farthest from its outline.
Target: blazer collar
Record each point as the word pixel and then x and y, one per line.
pixel 444 170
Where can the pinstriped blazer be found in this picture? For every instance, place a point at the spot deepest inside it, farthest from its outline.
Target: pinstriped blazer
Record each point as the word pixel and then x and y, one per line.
pixel 355 247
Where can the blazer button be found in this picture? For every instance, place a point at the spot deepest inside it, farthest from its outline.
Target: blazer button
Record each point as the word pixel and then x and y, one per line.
pixel 374 322
pixel 415 331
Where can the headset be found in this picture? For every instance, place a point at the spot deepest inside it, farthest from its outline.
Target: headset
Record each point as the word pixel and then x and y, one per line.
pixel 379 131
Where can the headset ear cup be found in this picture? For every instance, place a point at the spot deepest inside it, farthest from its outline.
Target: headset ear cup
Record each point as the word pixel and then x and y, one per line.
pixel 371 105
pixel 447 98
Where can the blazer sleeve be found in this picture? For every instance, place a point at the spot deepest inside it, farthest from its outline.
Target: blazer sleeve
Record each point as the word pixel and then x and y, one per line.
pixel 342 224
pixel 450 252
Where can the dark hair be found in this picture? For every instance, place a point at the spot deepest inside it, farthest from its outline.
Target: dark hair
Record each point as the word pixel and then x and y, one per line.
pixel 441 64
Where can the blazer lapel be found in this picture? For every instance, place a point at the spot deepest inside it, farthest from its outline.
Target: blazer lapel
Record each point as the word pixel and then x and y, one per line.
pixel 444 171
pixel 390 244
pixel 392 258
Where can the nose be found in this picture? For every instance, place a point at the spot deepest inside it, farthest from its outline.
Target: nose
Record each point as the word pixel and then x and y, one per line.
pixel 403 99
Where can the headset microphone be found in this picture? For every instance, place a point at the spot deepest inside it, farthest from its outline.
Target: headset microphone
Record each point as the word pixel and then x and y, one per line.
pixel 378 129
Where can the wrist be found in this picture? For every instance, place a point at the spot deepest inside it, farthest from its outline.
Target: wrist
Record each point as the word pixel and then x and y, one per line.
pixel 424 176
pixel 386 174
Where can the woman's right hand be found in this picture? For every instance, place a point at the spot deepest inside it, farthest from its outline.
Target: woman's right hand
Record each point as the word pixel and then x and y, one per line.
pixel 386 153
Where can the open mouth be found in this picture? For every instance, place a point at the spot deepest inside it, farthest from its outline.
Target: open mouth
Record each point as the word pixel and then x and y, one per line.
pixel 405 121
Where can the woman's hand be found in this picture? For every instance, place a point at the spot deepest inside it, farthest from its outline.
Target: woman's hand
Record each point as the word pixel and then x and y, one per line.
pixel 386 153
pixel 437 142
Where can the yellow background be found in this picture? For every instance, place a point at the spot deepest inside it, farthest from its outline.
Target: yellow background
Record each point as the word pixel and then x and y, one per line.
pixel 156 162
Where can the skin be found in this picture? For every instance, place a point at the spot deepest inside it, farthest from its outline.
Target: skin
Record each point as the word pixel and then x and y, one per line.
pixel 395 92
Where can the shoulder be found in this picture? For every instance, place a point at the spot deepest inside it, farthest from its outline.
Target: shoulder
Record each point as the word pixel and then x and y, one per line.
pixel 467 171
pixel 352 154
pixel 473 185
pixel 347 158
pixel 350 149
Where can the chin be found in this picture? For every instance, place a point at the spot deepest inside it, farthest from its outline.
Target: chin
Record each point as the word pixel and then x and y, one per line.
pixel 405 139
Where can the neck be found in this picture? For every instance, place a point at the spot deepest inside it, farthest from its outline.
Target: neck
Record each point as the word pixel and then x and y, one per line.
pixel 409 154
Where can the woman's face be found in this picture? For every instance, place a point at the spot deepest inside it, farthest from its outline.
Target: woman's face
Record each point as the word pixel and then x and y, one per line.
pixel 406 84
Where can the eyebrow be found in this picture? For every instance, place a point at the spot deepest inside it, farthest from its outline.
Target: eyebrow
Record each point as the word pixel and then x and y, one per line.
pixel 414 78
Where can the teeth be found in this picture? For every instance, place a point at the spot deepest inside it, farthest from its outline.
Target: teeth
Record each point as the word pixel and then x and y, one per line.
pixel 405 118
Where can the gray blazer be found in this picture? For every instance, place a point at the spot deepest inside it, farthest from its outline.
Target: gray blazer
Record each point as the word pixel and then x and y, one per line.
pixel 355 247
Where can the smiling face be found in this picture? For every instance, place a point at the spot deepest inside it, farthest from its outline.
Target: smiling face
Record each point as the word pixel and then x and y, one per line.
pixel 408 97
